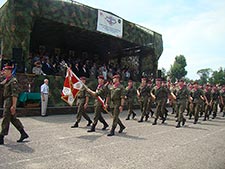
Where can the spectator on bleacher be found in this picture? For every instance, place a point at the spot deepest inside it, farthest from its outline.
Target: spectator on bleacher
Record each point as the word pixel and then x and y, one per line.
pixel 37 69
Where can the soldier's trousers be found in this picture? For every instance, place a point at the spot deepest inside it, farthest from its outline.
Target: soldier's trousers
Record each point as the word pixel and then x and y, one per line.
pixel 116 119
pixel 143 106
pixel 180 108
pixel 130 107
pixel 98 115
pixel 196 109
pixel 7 118
pixel 214 108
pixel 160 108
pixel 82 112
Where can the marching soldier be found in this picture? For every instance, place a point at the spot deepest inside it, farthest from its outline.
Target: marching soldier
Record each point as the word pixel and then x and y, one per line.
pixel 182 96
pixel 197 99
pixel 143 93
pixel 82 103
pixel 207 97
pixel 102 92
pixel 222 99
pixel 117 94
pixel 160 95
pixel 10 94
pixel 215 100
pixel 130 93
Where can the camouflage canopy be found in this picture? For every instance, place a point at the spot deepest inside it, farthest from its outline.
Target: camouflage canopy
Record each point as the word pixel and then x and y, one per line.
pixel 26 24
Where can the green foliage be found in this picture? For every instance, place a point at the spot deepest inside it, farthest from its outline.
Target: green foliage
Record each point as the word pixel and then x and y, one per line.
pixel 204 75
pixel 177 70
pixel 218 77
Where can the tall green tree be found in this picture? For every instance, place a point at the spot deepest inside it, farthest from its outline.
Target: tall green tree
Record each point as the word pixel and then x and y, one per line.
pixel 177 70
pixel 218 77
pixel 204 75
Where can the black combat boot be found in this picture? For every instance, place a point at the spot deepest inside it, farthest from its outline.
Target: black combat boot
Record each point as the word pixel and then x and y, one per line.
pixel 178 125
pixel 195 122
pixel 152 113
pixel 1 139
pixel 89 122
pixel 75 125
pixel 23 136
pixel 146 117
pixel 128 117
pixel 112 132
pixel 155 122
pixel 141 120
pixel 92 128
pixel 204 118
pixel 163 120
pixel 183 122
pixel 134 114
pixel 121 129
pixel 105 126
pixel 223 114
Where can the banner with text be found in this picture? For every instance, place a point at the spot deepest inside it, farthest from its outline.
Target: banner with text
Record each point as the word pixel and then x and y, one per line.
pixel 109 24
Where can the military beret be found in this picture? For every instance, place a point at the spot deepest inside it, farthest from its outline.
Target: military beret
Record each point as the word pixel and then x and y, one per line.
pixel 144 78
pixel 158 79
pixel 82 78
pixel 116 76
pixel 101 77
pixel 8 68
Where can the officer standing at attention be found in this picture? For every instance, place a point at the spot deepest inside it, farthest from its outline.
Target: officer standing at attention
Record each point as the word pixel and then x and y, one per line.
pixel 130 93
pixel 10 94
pixel 102 91
pixel 143 93
pixel 82 103
pixel 44 97
pixel 117 94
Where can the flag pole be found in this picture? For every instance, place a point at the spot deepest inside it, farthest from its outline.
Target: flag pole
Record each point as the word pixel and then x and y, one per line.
pixel 88 89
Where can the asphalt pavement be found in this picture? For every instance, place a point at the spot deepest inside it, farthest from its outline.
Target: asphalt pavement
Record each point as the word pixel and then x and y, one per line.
pixel 54 145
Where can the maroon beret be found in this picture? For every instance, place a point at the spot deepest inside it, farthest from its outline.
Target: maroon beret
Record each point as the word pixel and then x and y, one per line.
pixel 101 77
pixel 116 76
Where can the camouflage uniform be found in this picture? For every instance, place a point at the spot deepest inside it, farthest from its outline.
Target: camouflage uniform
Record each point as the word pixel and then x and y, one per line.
pixel 11 90
pixel 161 95
pixel 222 97
pixel 81 98
pixel 207 107
pixel 101 91
pixel 130 94
pixel 215 101
pixel 143 100
pixel 182 96
pixel 117 92
pixel 197 101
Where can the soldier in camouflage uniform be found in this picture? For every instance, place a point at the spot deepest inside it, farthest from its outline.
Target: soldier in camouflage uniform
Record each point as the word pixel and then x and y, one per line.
pixel 207 107
pixel 129 96
pixel 222 99
pixel 143 93
pixel 82 103
pixel 10 95
pixel 182 96
pixel 117 94
pixel 197 99
pixel 102 92
pixel 160 95
pixel 215 96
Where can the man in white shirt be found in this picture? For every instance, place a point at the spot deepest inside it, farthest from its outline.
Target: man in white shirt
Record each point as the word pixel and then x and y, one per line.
pixel 44 97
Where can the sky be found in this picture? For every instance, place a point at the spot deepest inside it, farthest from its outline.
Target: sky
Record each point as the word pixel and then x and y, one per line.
pixel 193 28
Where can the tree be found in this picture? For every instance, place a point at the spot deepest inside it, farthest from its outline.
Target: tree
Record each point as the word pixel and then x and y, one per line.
pixel 218 77
pixel 177 70
pixel 204 75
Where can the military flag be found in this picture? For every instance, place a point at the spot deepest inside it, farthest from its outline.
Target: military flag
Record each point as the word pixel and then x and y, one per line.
pixel 71 87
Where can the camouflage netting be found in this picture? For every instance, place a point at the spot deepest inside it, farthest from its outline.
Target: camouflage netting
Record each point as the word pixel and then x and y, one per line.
pixel 18 17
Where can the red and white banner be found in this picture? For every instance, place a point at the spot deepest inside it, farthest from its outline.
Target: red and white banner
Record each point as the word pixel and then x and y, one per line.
pixel 109 24
pixel 71 87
